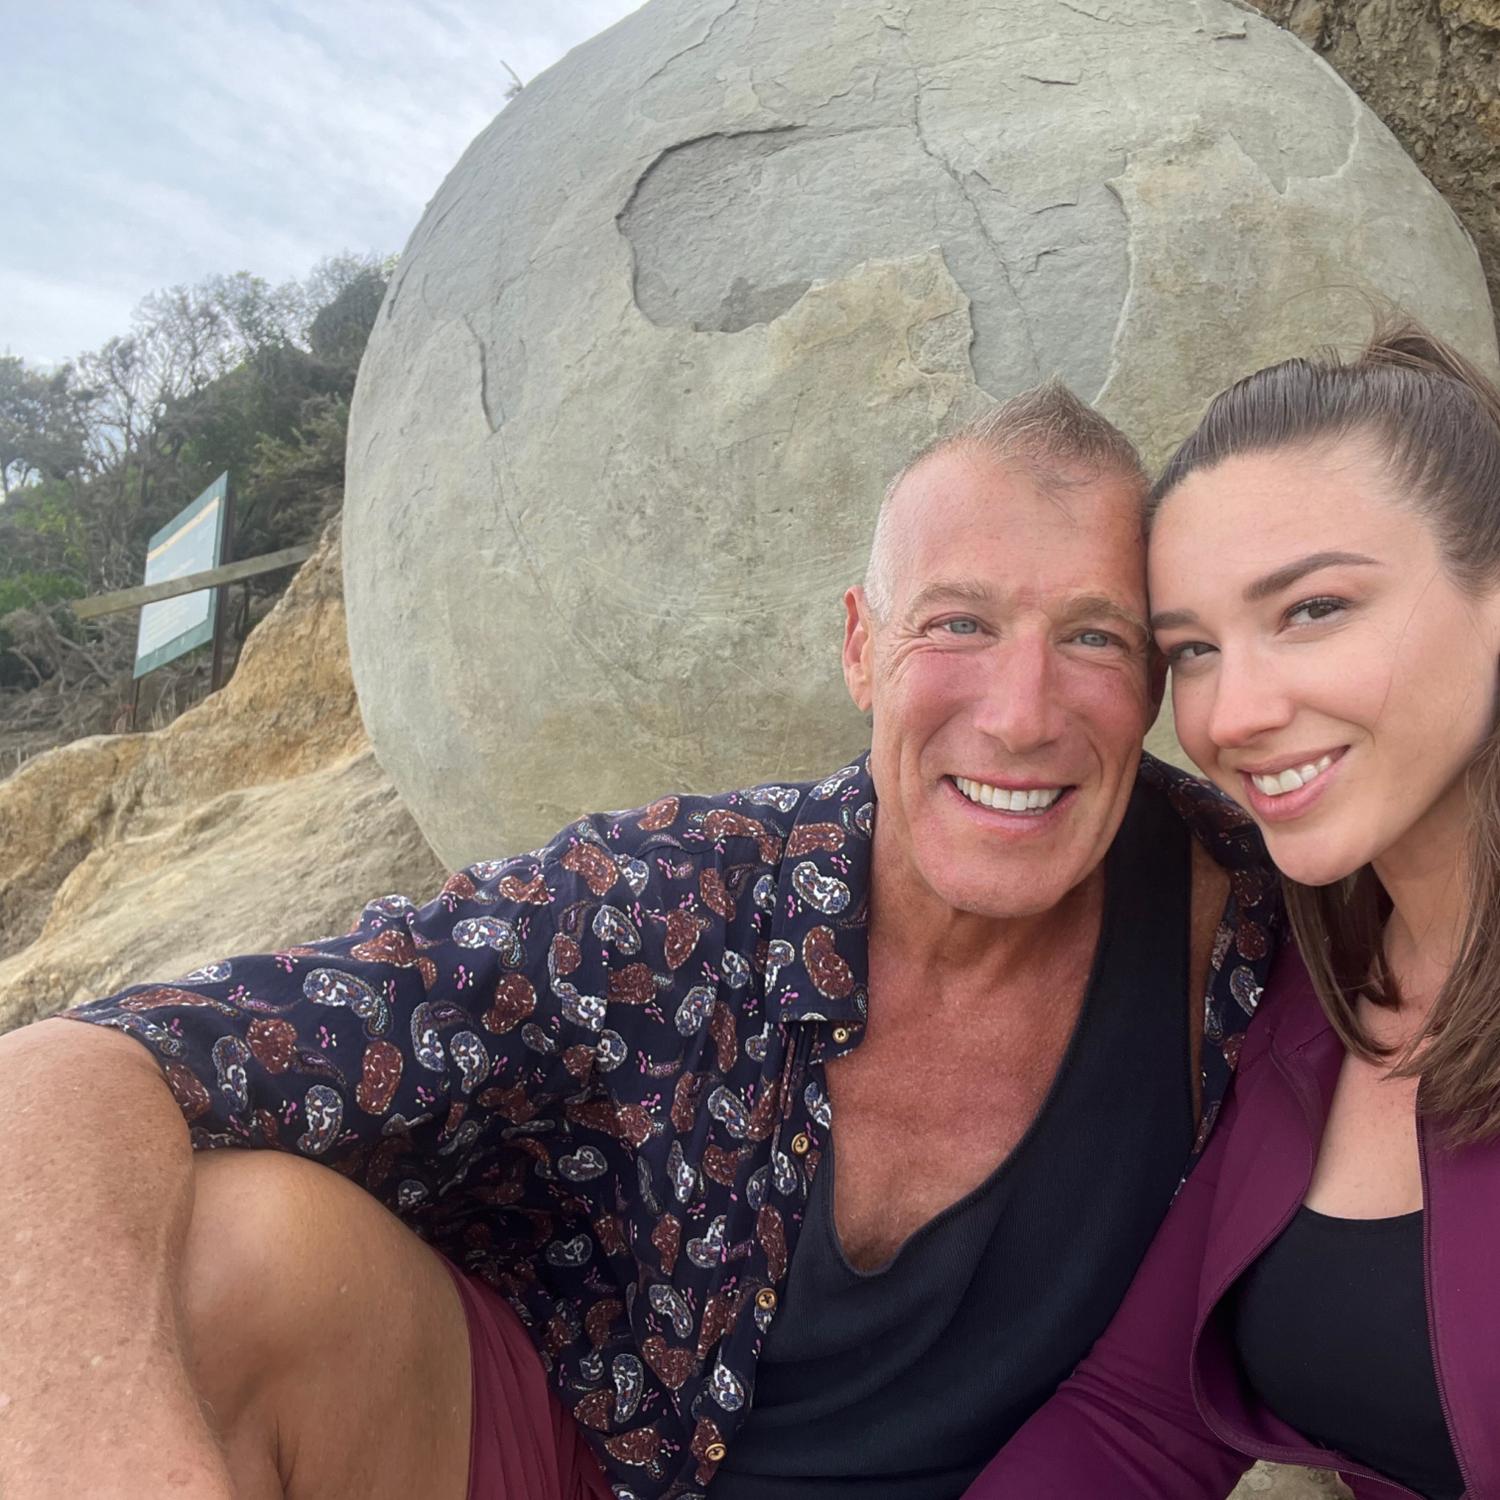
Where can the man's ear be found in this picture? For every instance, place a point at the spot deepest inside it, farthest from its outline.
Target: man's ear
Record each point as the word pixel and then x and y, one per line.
pixel 859 648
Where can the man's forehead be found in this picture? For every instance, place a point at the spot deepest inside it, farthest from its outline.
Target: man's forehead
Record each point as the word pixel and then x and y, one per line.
pixel 1089 526
pixel 971 527
pixel 964 471
pixel 1064 598
pixel 954 487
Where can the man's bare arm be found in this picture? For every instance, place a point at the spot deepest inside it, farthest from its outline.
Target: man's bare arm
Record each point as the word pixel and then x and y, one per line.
pixel 96 1189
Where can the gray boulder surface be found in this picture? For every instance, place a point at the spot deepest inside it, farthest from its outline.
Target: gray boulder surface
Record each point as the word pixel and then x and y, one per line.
pixel 680 311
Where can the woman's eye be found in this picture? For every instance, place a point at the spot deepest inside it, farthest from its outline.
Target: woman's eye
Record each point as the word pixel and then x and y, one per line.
pixel 1187 651
pixel 962 626
pixel 1311 611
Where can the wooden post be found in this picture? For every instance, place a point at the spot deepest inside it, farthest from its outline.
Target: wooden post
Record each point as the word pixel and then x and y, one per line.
pixel 242 628
pixel 95 605
pixel 221 594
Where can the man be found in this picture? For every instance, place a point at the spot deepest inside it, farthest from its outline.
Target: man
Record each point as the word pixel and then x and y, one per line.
pixel 860 1098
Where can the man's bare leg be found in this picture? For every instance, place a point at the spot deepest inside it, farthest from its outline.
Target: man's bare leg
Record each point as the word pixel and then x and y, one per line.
pixel 326 1340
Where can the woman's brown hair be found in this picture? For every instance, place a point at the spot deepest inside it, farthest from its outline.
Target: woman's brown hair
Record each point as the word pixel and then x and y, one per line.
pixel 1433 421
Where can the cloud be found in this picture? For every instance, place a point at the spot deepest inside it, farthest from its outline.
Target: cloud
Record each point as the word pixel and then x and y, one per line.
pixel 48 318
pixel 156 142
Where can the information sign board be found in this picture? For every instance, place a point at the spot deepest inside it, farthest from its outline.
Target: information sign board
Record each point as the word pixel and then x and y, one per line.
pixel 191 542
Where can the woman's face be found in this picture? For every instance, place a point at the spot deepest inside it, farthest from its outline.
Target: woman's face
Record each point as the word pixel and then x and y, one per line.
pixel 1327 673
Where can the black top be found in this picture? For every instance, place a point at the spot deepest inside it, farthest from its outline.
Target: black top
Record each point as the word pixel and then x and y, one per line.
pixel 903 1382
pixel 1331 1328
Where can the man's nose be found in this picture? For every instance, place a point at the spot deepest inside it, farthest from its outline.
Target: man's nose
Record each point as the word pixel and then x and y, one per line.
pixel 1020 707
pixel 1248 701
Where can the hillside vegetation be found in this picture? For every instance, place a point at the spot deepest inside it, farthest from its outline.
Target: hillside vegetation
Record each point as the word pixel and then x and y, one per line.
pixel 232 374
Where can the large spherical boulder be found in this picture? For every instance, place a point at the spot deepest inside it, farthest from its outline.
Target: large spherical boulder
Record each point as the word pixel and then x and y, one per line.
pixel 672 321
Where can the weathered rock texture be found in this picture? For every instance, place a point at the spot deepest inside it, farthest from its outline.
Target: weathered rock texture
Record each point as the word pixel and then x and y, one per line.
pixel 1431 70
pixel 677 314
pixel 1274 1482
pixel 256 818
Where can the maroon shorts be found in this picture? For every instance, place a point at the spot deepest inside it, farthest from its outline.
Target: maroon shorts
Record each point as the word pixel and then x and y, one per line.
pixel 522 1444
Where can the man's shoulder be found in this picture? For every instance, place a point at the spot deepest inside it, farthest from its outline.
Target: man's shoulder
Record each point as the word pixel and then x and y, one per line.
pixel 763 823
pixel 1222 827
pixel 1233 948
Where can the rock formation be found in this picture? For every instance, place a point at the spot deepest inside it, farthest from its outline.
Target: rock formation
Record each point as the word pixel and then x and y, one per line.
pixel 257 818
pixel 676 315
pixel 647 363
pixel 1431 70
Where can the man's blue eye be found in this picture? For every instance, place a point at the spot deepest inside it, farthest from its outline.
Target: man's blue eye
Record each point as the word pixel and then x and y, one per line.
pixel 1095 638
pixel 962 627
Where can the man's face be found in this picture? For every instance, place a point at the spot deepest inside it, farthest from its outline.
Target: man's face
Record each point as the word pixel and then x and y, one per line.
pixel 1009 684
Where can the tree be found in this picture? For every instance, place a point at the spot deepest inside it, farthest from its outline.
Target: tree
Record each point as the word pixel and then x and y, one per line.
pixel 233 373
pixel 43 424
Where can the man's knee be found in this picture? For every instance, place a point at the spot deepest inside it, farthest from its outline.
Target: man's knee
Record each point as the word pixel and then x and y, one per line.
pixel 321 1331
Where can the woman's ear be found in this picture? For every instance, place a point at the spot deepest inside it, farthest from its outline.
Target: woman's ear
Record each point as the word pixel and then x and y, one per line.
pixel 1489 613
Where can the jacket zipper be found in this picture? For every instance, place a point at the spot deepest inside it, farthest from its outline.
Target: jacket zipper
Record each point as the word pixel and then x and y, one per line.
pixel 1306 1457
pixel 1437 1364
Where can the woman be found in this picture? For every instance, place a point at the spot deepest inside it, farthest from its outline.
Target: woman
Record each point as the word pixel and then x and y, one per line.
pixel 1325 576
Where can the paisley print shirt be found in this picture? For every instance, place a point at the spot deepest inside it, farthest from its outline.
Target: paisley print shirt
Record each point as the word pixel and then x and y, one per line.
pixel 593 1076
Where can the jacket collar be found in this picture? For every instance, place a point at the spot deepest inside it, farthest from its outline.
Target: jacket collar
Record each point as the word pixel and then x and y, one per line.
pixel 1264 1176
pixel 1299 1019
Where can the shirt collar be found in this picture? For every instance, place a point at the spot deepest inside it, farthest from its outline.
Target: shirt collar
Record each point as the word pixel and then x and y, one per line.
pixel 817 964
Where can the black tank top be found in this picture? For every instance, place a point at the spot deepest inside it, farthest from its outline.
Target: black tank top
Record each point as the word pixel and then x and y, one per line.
pixel 1331 1328
pixel 903 1382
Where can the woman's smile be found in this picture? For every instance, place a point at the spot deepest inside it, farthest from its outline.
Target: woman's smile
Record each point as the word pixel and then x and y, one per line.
pixel 1327 672
pixel 1278 795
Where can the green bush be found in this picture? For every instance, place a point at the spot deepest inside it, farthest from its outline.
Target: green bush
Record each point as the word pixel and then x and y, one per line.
pixel 26 590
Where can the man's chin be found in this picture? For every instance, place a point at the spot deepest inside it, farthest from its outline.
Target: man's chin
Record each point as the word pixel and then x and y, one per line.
pixel 1019 893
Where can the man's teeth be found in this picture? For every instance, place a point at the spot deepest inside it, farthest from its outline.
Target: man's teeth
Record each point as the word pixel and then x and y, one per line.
pixel 1038 799
pixel 1291 779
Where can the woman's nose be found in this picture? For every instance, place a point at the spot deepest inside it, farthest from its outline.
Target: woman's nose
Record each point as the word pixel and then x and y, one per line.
pixel 1248 702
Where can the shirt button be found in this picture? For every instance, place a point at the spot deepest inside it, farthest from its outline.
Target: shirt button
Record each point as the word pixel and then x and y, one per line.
pixel 715 1452
pixel 765 1299
pixel 841 1034
pixel 800 1144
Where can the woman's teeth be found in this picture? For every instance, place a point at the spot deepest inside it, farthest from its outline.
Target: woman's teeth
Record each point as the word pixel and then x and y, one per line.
pixel 1292 779
pixel 1038 799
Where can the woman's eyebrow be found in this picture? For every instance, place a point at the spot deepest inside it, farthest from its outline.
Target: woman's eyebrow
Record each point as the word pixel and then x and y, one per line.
pixel 1171 619
pixel 1273 583
pixel 1285 577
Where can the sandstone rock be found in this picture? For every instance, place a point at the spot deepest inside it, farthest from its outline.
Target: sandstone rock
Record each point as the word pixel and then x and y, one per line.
pixel 248 871
pixel 1431 70
pixel 677 314
pixel 256 818
pixel 1276 1482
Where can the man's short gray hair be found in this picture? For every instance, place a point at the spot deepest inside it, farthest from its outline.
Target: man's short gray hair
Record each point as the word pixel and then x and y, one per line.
pixel 1047 432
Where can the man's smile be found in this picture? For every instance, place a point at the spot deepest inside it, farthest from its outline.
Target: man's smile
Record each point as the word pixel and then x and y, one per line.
pixel 1034 798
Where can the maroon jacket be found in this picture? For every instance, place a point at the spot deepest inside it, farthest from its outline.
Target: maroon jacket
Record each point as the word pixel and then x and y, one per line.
pixel 1158 1410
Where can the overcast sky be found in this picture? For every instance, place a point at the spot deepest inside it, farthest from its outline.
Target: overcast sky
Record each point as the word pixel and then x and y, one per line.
pixel 148 143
